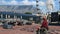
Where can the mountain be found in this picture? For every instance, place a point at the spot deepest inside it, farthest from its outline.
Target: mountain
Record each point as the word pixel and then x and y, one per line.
pixel 17 8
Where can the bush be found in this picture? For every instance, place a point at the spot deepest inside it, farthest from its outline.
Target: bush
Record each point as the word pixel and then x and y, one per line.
pixel 28 13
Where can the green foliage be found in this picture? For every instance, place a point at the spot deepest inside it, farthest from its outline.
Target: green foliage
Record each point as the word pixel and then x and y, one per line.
pixel 28 12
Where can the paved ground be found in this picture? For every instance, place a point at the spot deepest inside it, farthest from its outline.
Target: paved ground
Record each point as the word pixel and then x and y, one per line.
pixel 15 30
pixel 18 30
pixel 54 29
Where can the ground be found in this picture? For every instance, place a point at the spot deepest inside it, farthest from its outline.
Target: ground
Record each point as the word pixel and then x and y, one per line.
pixel 18 30
pixel 54 29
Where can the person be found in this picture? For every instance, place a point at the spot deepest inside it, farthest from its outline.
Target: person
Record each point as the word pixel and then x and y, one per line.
pixel 44 25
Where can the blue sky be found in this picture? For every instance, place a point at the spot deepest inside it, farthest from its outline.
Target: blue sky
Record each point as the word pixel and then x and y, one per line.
pixel 42 3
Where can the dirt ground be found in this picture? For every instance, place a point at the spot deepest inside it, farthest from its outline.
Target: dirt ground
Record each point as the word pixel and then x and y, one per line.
pixel 23 30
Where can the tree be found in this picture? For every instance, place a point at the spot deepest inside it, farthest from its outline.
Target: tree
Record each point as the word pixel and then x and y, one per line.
pixel 28 12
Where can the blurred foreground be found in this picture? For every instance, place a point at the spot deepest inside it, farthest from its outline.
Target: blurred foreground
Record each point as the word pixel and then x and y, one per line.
pixel 28 29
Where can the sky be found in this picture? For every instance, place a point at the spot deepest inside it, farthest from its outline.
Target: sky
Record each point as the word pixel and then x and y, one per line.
pixel 42 3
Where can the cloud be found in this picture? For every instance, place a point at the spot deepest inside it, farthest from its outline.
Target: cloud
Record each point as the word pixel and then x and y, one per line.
pixel 25 2
pixel 50 4
pixel 13 2
pixel 41 3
